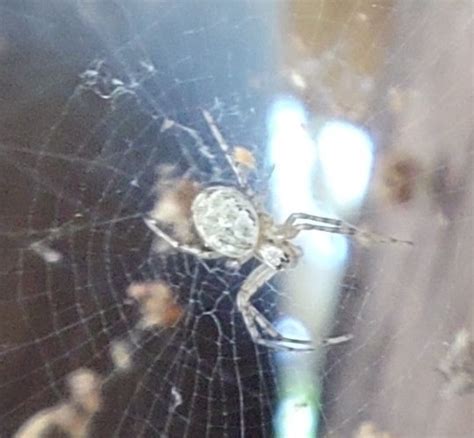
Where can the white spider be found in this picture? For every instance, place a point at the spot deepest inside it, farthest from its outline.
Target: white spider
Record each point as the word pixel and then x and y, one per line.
pixel 230 225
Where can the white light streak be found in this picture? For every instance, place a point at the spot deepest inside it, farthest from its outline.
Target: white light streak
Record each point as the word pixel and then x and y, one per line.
pixel 294 154
pixel 295 418
pixel 346 155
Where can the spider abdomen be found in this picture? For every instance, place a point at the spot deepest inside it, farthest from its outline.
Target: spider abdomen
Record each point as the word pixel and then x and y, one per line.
pixel 226 221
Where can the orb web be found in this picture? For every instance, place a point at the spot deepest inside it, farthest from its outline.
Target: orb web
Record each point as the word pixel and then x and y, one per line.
pixel 102 101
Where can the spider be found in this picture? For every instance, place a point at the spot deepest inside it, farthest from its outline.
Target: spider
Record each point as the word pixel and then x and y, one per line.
pixel 230 223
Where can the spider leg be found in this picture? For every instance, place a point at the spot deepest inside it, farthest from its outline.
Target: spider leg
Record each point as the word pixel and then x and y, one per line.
pixel 265 324
pixel 196 251
pixel 225 148
pixel 254 320
pixel 276 339
pixel 336 226
pixel 278 342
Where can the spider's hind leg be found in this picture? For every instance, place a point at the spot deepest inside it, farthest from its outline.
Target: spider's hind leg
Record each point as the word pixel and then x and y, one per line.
pixel 260 328
pixel 277 340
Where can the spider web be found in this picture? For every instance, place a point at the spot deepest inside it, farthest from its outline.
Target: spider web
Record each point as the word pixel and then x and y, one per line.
pixel 97 98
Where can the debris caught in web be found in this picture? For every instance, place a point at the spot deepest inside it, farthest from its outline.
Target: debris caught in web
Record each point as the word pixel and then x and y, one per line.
pixel 457 366
pixel 157 304
pixel 367 429
pixel 173 207
pixel 71 416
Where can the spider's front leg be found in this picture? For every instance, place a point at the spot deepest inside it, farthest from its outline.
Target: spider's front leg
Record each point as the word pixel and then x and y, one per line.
pixel 240 176
pixel 193 250
pixel 257 324
pixel 297 222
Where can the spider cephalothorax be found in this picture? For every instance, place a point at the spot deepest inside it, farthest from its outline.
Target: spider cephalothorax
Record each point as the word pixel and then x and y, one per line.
pixel 230 223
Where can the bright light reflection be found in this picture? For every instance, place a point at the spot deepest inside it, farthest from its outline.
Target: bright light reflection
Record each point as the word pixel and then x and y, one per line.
pixel 346 155
pixel 292 328
pixel 295 418
pixel 294 154
pixel 292 151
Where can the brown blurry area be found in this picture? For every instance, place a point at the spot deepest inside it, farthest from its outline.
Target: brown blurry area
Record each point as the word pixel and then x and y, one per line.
pixel 403 69
pixel 334 51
